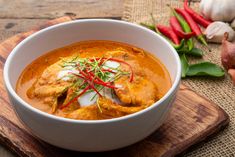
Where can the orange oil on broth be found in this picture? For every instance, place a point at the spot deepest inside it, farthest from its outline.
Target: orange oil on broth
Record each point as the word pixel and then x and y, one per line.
pixel 153 68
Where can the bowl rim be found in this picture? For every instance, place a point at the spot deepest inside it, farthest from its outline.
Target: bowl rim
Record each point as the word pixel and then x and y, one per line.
pixel 54 117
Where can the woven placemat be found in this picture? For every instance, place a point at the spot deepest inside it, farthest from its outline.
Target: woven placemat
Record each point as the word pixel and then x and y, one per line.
pixel 221 91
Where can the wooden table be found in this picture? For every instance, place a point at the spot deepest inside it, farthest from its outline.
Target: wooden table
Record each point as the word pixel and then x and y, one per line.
pixel 19 16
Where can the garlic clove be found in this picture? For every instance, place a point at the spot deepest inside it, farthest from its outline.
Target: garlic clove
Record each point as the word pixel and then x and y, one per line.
pixel 210 33
pixel 215 32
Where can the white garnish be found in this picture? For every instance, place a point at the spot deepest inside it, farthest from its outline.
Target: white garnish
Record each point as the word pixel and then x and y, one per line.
pixel 107 92
pixel 111 65
pixel 64 73
pixel 85 99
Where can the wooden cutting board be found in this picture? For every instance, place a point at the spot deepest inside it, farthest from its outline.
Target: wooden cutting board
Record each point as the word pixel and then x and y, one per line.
pixel 191 120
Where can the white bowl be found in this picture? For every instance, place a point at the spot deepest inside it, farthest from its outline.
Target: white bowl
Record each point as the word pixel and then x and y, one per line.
pixel 94 135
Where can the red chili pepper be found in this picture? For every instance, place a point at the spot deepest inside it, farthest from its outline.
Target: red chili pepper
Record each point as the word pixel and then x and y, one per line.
pixel 101 82
pixel 90 78
pixel 106 84
pixel 90 81
pixel 175 25
pixel 108 70
pixel 94 77
pixel 197 17
pixel 196 29
pixel 168 32
pixel 84 74
pixel 93 87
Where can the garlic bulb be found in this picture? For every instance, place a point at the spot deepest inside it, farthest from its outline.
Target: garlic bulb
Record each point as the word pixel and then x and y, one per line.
pixel 215 32
pixel 218 10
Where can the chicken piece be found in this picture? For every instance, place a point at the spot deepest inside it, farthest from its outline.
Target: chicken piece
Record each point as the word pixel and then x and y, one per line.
pixel 108 109
pixel 139 92
pixel 120 53
pixel 129 58
pixel 135 66
pixel 49 87
pixel 138 51
pixel 86 113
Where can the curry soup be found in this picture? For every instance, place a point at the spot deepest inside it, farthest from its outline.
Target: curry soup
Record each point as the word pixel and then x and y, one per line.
pixel 94 80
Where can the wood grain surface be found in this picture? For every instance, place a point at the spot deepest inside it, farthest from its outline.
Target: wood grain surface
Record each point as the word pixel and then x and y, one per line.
pixel 20 16
pixel 191 120
pixel 50 9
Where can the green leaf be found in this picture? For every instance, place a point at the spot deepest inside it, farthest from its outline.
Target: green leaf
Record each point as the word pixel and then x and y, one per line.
pixel 194 52
pixel 205 69
pixel 184 65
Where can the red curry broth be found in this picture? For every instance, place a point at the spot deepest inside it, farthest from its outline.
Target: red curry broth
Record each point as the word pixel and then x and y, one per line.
pixel 152 68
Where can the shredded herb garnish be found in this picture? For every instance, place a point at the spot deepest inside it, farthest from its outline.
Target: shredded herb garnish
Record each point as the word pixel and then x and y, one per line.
pixel 93 75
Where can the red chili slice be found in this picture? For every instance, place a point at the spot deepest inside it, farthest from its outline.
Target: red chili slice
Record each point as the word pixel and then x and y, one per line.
pixel 74 99
pixel 91 79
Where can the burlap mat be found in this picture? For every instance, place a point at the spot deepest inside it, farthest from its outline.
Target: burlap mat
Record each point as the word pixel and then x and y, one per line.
pixel 220 91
